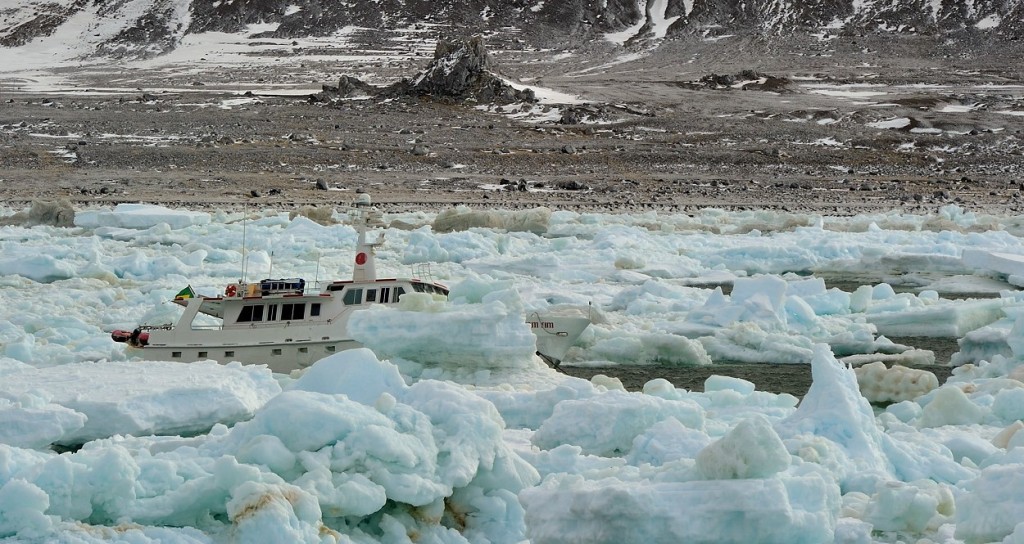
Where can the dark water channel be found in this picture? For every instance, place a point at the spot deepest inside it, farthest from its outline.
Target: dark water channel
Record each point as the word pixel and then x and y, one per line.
pixel 771 377
pixel 781 378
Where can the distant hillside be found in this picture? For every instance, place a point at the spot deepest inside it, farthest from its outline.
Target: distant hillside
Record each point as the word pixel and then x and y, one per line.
pixel 151 27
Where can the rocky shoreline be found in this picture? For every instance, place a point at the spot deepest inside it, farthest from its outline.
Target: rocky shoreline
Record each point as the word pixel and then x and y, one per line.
pixel 825 134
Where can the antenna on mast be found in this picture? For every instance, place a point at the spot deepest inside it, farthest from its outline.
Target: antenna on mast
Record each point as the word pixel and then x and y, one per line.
pixel 363 217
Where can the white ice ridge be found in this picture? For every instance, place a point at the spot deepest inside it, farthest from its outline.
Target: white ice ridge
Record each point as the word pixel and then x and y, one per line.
pixel 79 402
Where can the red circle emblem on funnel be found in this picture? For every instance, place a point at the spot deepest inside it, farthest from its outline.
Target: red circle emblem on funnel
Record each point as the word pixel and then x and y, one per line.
pixel 360 258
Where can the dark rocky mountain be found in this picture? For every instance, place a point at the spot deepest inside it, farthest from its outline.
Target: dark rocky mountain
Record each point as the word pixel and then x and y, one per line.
pixel 151 27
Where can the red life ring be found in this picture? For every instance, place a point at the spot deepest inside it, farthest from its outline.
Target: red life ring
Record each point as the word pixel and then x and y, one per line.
pixel 231 290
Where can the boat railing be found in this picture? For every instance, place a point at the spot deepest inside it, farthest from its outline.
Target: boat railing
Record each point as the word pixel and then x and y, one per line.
pixel 237 326
pixel 422 271
pixel 195 327
pixel 425 271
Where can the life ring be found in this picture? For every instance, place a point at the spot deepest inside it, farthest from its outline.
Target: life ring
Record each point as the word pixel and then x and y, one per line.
pixel 231 290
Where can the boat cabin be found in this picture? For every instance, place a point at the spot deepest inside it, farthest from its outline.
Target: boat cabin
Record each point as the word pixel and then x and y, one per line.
pixel 382 291
pixel 285 300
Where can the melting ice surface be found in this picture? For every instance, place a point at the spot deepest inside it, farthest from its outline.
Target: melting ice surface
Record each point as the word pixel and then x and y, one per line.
pixel 446 427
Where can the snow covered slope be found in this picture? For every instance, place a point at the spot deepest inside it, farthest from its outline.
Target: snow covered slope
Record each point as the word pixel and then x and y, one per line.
pixel 137 28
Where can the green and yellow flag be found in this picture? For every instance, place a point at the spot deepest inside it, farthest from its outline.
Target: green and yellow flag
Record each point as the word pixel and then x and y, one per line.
pixel 185 293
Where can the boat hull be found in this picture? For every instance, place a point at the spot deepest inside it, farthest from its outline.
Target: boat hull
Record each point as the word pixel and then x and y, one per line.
pixel 281 358
pixel 297 350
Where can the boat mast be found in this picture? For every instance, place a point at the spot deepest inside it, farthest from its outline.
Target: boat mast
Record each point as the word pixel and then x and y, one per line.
pixel 245 258
pixel 316 278
pixel 363 217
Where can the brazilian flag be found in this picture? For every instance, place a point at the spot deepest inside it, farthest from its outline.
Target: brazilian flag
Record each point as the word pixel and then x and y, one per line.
pixel 187 292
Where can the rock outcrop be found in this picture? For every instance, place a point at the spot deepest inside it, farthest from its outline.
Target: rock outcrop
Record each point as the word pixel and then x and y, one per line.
pixel 347 87
pixel 461 71
pixel 745 80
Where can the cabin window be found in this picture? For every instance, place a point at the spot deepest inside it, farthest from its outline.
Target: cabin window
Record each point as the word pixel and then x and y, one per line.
pixel 297 285
pixel 272 312
pixel 371 295
pixel 290 312
pixel 276 351
pixel 428 288
pixel 353 296
pixel 330 349
pixel 251 312
pixel 176 354
pixel 399 291
pixel 202 354
pixel 385 293
pixel 303 350
pixel 229 354
pixel 314 309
